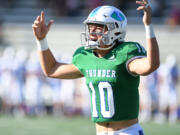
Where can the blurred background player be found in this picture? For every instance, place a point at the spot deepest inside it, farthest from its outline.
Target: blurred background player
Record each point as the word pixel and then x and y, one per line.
pixel 167 86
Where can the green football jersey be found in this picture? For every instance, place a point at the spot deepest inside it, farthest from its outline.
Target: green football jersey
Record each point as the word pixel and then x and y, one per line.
pixel 113 90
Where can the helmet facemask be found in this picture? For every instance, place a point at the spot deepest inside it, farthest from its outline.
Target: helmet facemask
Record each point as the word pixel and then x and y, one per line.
pixel 94 44
pixel 109 38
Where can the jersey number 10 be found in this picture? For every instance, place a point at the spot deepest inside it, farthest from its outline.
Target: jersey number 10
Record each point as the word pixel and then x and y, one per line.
pixel 106 100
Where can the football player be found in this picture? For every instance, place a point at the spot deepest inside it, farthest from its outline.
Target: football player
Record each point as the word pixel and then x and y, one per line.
pixel 110 65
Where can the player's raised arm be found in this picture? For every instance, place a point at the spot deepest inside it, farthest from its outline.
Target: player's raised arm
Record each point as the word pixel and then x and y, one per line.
pixel 145 66
pixel 50 66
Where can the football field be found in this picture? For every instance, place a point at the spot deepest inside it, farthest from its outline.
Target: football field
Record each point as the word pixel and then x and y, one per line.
pixel 69 126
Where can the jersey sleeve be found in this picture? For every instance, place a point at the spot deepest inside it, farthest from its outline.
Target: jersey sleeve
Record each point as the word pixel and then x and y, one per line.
pixel 134 51
pixel 76 60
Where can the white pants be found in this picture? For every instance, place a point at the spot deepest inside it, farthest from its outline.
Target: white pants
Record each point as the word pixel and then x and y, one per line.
pixel 135 129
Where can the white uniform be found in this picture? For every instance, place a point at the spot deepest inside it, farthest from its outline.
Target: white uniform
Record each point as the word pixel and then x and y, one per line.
pixel 132 130
pixel 167 74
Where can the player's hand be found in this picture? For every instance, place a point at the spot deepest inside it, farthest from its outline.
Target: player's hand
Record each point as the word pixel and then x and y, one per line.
pixel 39 27
pixel 144 5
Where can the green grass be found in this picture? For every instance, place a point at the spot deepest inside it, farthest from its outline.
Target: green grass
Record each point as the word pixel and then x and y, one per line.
pixel 69 126
pixel 161 129
pixel 46 126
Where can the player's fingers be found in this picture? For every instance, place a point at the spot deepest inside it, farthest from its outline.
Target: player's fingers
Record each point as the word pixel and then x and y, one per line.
pixel 34 26
pixel 38 18
pixel 42 17
pixel 146 1
pixel 141 8
pixel 36 22
pixel 50 23
pixel 140 3
pixel 35 32
pixel 34 29
pixel 144 5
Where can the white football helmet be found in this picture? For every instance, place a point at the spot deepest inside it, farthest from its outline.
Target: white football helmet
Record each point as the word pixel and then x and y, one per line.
pixel 113 19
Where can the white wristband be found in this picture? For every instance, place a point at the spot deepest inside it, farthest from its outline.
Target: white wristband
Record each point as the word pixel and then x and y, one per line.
pixel 42 45
pixel 149 31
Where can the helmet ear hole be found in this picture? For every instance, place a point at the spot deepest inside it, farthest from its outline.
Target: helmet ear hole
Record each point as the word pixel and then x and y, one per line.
pixel 117 33
pixel 117 26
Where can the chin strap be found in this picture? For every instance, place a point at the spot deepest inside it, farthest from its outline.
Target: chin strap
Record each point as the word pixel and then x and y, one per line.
pixel 91 44
pixel 105 48
pixel 96 45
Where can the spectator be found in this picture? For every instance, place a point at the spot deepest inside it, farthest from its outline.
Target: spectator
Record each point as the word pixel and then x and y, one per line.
pixel 174 16
pixel 1 32
pixel 157 7
pixel 73 7
pixel 93 3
